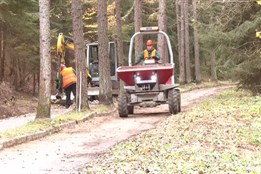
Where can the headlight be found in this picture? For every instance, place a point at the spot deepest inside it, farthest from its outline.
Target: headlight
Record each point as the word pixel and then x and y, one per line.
pixel 138 79
pixel 153 77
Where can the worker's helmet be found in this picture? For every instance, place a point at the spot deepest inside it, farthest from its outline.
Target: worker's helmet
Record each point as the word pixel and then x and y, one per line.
pixel 62 66
pixel 149 43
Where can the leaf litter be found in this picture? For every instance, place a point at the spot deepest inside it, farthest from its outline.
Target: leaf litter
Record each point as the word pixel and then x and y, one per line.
pixel 221 135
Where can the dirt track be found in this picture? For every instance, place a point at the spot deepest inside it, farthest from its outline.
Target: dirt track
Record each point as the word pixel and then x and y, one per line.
pixel 67 151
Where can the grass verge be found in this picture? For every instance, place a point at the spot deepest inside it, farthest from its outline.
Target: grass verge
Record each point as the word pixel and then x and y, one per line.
pixel 39 125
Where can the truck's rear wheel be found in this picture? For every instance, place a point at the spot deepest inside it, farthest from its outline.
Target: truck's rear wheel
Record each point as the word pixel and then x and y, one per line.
pixel 173 101
pixel 179 99
pixel 123 105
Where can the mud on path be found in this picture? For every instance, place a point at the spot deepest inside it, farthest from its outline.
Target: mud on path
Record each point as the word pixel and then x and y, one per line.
pixel 68 150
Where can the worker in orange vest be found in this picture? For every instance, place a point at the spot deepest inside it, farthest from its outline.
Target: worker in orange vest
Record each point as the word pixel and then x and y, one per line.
pixel 67 82
pixel 149 53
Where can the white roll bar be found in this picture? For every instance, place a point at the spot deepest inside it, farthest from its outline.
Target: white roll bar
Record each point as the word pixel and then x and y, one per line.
pixel 150 32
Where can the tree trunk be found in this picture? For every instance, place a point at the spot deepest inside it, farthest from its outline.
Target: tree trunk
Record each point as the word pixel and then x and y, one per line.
pixel 119 37
pixel 187 55
pixel 105 90
pixel 17 73
pixel 4 51
pixel 180 29
pixel 2 60
pixel 196 45
pixel 34 84
pixel 213 66
pixel 44 102
pixel 162 46
pixel 138 23
pixel 79 52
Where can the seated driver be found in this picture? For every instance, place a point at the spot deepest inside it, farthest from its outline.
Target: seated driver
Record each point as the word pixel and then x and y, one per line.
pixel 149 53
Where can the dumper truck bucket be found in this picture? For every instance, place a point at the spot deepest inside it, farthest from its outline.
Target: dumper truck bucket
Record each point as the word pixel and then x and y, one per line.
pixel 163 73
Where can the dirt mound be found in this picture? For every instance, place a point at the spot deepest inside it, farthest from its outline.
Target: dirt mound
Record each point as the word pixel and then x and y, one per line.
pixel 5 91
pixel 13 103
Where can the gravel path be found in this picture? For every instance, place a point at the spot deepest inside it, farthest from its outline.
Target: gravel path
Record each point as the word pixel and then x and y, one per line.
pixel 67 151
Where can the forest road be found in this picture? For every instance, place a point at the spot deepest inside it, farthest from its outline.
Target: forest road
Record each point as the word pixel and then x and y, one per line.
pixel 68 150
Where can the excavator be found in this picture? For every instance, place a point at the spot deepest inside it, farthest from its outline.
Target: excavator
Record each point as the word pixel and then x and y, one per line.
pixel 66 43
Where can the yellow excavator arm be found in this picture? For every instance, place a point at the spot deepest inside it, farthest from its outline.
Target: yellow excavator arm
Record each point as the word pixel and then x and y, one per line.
pixel 64 42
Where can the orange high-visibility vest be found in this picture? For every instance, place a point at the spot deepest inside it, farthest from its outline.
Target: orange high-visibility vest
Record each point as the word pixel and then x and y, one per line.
pixel 146 54
pixel 68 77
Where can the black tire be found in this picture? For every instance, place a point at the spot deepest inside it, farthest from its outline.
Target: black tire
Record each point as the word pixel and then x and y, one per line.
pixel 130 109
pixel 173 101
pixel 122 105
pixel 179 100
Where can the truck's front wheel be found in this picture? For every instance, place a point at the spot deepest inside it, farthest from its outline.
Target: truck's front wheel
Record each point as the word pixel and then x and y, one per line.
pixel 173 101
pixel 122 105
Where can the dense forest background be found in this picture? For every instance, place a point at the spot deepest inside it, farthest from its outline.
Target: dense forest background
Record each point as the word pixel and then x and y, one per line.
pixel 226 32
